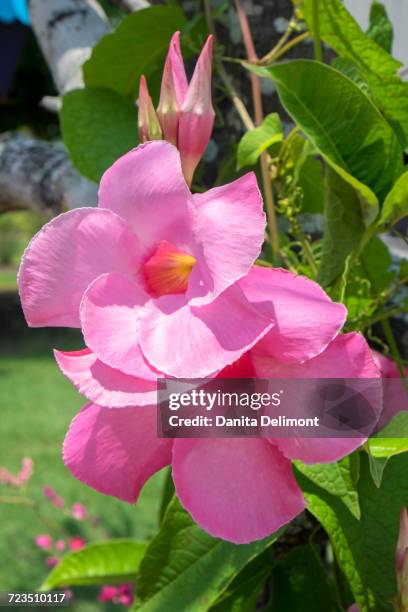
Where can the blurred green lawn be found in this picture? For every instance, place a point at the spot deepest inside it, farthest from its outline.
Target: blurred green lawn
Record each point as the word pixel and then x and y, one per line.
pixel 37 404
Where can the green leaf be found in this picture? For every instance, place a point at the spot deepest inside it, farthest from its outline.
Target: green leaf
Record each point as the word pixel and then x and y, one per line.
pixel 380 28
pixel 181 554
pixel 244 591
pixel 396 203
pixel 300 583
pixel 256 141
pixel 98 126
pixel 340 30
pixel 392 439
pixel 138 46
pixel 377 467
pixel 340 120
pixel 376 262
pixel 343 225
pixel 110 562
pixel 353 71
pixel 339 479
pixel 365 549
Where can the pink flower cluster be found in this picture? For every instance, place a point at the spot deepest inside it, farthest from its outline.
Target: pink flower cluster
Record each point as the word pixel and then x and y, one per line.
pixel 162 283
pixel 21 479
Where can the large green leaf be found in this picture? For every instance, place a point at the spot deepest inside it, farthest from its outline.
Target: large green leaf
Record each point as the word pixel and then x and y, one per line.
pixel 396 203
pixel 340 120
pixel 113 561
pixel 340 479
pixel 98 126
pixel 138 46
pixel 365 549
pixel 256 141
pixel 185 568
pixel 339 29
pixel 343 226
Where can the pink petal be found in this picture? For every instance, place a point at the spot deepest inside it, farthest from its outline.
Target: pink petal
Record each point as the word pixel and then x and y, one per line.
pixel 306 318
pixel 348 356
pixel 395 395
pixel 191 342
pixel 196 114
pixel 66 256
pixel 102 384
pixel 239 490
pixel 115 451
pixel 147 188
pixel 110 313
pixel 229 227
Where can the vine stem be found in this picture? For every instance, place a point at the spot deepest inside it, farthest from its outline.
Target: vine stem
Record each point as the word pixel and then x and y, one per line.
pixel 393 347
pixel 316 31
pixel 259 116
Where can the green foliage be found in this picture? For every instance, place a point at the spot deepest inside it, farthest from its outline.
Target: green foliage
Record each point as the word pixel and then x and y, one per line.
pixel 339 29
pixel 365 549
pixel 339 479
pixel 138 46
pixel 256 141
pixel 110 562
pixel 396 203
pixel 179 556
pixel 340 120
pixel 343 226
pixel 392 439
pixel 98 126
pixel 301 583
pixel 376 262
pixel 380 28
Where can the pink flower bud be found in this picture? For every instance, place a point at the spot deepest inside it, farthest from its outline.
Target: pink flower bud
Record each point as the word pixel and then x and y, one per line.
pixel 147 121
pixel 44 541
pixel 196 114
pixel 79 512
pixel 173 90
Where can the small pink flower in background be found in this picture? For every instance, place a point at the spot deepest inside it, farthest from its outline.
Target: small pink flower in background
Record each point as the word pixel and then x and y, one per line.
pixel 51 562
pixel 354 608
pixel 44 541
pixel 76 543
pixel 26 471
pixel 7 478
pixel 401 560
pixel 185 116
pixel 54 498
pixel 122 594
pixel 27 468
pixel 151 276
pixel 60 545
pixel 107 593
pixel 79 512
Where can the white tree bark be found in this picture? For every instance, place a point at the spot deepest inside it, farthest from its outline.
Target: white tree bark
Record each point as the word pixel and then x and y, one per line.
pixel 38 175
pixel 66 31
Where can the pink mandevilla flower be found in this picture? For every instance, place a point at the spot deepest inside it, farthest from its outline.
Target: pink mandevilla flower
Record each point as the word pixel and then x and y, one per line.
pixel 185 115
pixel 151 274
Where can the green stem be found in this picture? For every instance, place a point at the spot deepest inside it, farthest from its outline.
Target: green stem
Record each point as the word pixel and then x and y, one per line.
pixel 317 45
